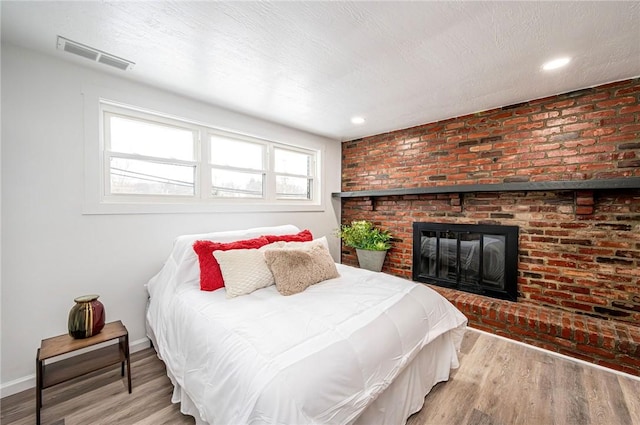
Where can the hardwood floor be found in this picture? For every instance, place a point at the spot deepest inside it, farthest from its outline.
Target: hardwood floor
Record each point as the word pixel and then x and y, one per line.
pixel 499 382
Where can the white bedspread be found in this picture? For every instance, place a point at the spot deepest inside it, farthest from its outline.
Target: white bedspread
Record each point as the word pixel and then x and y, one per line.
pixel 317 357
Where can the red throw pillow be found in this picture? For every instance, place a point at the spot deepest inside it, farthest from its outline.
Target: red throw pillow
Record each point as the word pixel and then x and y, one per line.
pixel 302 236
pixel 210 273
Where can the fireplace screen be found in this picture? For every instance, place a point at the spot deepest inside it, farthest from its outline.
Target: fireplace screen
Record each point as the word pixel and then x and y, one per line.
pixel 480 259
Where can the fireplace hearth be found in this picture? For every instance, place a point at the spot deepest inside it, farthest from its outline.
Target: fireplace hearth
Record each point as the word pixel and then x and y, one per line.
pixel 481 259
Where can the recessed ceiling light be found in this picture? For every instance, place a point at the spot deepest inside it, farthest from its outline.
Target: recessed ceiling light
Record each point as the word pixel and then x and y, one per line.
pixel 556 63
pixel 357 120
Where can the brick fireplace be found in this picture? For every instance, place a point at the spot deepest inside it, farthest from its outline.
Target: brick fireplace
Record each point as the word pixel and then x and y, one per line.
pixel 565 170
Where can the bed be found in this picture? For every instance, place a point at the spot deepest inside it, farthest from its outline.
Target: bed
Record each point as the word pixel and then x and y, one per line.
pixel 361 348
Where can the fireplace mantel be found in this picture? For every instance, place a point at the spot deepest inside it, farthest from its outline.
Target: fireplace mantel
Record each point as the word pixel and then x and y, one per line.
pixel 600 184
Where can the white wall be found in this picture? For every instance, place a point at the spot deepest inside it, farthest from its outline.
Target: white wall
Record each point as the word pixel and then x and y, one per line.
pixel 51 252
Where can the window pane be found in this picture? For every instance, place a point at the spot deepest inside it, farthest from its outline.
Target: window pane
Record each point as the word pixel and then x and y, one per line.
pixel 293 187
pixel 236 153
pixel 233 184
pixel 291 162
pixel 145 138
pixel 129 176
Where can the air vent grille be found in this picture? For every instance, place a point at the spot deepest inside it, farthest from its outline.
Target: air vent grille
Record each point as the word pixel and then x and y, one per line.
pixel 80 51
pixel 93 54
pixel 115 62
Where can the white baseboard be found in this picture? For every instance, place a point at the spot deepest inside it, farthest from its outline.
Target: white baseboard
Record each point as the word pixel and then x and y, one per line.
pixel 29 381
pixel 139 345
pixel 17 385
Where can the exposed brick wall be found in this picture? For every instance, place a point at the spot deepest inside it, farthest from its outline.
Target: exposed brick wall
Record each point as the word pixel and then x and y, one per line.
pixel 587 134
pixel 579 250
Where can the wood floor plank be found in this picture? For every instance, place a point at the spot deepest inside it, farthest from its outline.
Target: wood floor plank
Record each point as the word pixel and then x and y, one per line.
pixel 468 342
pixel 631 394
pixel 539 389
pixel 499 382
pixel 569 406
pixel 18 406
pixel 519 367
pixel 501 371
pixel 480 418
pixel 170 415
pixel 121 407
pixel 601 396
pixel 488 377
pixel 467 383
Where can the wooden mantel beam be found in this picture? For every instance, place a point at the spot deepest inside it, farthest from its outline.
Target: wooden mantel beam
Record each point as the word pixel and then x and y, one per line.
pixel 601 184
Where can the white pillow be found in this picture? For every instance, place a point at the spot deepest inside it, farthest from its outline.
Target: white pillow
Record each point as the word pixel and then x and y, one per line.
pixel 301 245
pixel 243 271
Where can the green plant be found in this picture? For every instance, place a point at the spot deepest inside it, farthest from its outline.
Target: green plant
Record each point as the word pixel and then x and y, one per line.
pixel 363 235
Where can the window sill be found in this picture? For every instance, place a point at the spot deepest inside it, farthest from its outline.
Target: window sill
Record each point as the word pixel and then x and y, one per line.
pixel 187 208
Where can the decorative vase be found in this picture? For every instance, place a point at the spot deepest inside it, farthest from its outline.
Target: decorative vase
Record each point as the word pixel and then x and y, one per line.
pixel 371 260
pixel 86 318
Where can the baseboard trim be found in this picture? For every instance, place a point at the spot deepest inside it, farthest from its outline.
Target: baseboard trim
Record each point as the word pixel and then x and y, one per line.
pixel 17 385
pixel 29 381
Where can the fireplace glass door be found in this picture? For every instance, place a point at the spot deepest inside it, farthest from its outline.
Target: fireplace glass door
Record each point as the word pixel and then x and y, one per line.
pixel 480 259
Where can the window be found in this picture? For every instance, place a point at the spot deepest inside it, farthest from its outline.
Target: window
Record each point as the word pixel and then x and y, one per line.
pixel 148 158
pixel 237 168
pixel 294 174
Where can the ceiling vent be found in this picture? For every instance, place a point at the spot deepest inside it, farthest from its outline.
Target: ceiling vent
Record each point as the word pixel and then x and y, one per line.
pixel 93 54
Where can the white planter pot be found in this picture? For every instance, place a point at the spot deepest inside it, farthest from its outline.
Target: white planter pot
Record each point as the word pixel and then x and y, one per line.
pixel 371 260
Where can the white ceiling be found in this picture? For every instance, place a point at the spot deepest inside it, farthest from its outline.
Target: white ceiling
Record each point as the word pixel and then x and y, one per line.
pixel 314 65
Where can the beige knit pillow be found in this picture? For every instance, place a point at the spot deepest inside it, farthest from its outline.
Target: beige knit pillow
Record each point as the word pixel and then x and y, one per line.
pixel 295 269
pixel 243 271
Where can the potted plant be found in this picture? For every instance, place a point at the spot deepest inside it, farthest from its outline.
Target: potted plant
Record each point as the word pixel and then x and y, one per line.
pixel 371 243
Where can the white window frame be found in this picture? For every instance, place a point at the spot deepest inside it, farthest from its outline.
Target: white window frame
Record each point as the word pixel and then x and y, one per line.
pixel 107 154
pixel 208 167
pixel 311 176
pixel 98 200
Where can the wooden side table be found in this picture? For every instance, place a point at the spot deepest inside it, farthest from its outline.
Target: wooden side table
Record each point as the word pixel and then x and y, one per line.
pixel 56 372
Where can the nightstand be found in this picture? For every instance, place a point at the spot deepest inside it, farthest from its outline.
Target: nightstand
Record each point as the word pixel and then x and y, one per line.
pixel 55 372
